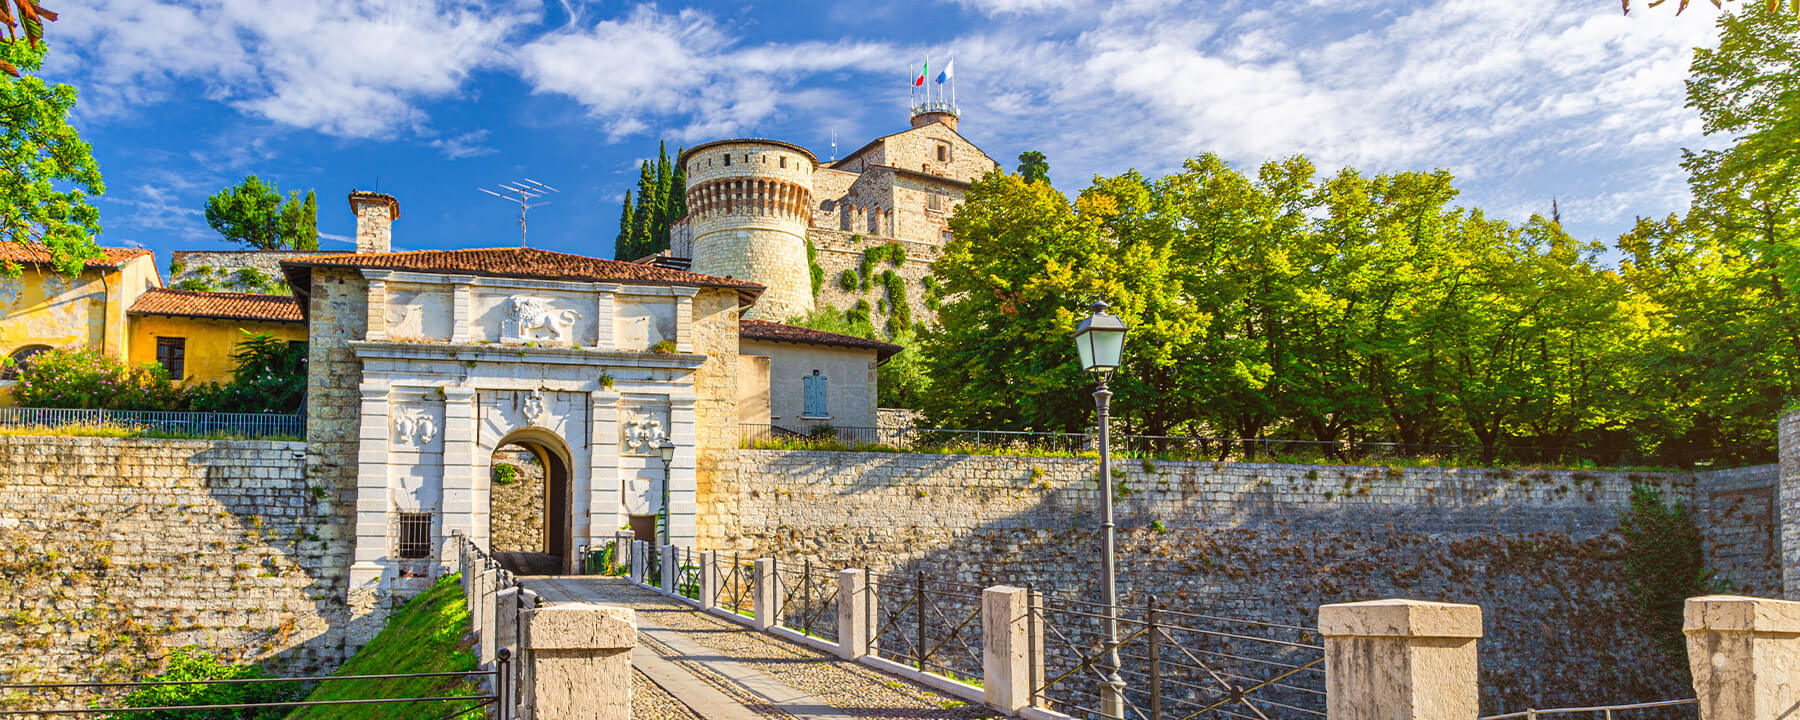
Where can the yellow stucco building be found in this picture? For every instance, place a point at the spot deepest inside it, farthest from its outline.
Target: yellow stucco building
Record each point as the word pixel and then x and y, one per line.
pixel 117 305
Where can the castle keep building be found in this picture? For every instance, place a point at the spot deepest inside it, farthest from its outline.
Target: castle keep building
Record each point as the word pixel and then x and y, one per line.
pixel 755 205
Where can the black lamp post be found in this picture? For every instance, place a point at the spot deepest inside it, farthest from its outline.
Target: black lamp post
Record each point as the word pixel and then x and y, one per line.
pixel 1100 341
pixel 667 451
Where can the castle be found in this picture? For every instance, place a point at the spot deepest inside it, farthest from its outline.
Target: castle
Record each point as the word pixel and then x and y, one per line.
pixel 769 212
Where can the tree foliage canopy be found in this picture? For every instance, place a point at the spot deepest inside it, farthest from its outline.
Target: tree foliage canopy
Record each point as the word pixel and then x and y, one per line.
pixel 252 213
pixel 40 152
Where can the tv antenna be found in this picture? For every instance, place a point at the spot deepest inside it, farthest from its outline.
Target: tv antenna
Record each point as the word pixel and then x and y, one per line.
pixel 523 192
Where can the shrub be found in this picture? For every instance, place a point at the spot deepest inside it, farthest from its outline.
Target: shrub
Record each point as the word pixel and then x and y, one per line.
pixel 192 663
pixel 663 347
pixel 848 280
pixel 505 473
pixel 81 377
pixel 268 375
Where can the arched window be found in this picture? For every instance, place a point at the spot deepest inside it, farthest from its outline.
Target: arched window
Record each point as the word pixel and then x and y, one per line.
pixel 20 358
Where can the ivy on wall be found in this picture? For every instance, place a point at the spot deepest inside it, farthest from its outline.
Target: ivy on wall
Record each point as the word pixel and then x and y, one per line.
pixel 1664 565
pixel 812 262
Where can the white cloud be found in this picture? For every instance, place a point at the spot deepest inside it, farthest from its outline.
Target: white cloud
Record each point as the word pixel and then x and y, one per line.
pixel 649 66
pixel 465 145
pixel 348 69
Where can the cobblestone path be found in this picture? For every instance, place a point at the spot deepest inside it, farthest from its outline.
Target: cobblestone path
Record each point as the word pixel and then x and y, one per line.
pixel 692 665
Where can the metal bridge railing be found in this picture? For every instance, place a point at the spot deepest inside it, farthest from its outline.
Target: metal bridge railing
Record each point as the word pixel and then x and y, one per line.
pixel 248 426
pixel 1602 712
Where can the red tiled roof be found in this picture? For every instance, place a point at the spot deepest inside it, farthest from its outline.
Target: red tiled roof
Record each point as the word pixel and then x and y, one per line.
pixel 111 257
pixel 526 263
pixel 224 305
pixel 750 329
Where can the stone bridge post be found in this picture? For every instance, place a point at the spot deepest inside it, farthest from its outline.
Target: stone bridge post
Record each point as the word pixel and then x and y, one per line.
pixel 1400 660
pixel 578 661
pixel 1744 653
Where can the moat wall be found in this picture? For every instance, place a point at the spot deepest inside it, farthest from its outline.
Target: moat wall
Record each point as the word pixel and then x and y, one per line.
pixel 114 551
pixel 1538 550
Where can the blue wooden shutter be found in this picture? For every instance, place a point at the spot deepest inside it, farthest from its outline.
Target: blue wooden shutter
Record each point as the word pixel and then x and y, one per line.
pixel 815 397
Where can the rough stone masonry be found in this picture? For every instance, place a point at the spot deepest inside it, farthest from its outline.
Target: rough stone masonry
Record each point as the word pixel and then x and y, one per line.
pixel 116 550
pixel 1537 549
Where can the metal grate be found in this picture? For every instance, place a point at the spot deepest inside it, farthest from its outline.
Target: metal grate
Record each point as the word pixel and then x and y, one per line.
pixel 415 536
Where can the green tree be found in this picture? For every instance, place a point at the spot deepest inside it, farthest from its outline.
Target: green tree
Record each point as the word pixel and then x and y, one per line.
pixel 253 213
pixel 627 224
pixel 1034 167
pixel 268 375
pixel 665 179
pixel 47 172
pixel 1019 274
pixel 27 23
pixel 1681 5
pixel 644 217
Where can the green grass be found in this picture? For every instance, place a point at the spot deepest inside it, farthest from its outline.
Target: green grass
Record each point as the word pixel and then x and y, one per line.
pixel 426 635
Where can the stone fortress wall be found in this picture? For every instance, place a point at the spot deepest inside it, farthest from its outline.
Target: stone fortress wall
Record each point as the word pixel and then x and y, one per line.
pixel 115 550
pixel 1537 549
pixel 748 207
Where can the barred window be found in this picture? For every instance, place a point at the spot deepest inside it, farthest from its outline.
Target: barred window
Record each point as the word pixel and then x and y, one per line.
pixel 934 202
pixel 415 536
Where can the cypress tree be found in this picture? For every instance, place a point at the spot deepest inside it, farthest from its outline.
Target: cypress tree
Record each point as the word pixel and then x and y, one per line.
pixel 678 189
pixel 664 178
pixel 622 243
pixel 643 218
pixel 306 232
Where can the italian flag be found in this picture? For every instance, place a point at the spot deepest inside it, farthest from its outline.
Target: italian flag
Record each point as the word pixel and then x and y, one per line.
pixel 923 71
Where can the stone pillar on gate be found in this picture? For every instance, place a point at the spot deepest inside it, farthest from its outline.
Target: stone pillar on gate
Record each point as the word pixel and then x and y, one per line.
pixel 671 562
pixel 578 661
pixel 1401 660
pixel 856 614
pixel 1008 655
pixel 622 549
pixel 640 556
pixel 1744 654
pixel 709 579
pixel 766 592
pixel 486 584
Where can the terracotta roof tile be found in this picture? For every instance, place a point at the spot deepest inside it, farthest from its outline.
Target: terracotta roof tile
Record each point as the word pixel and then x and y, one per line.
pixel 230 306
pixel 526 263
pixel 751 329
pixel 35 254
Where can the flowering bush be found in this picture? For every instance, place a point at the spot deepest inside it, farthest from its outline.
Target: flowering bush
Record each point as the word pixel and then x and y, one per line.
pixel 81 377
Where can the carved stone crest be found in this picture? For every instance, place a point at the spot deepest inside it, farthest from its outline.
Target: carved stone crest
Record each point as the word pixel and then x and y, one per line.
pixel 533 406
pixel 531 319
pixel 643 434
pixel 413 427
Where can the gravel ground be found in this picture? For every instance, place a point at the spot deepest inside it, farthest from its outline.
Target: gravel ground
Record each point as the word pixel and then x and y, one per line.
pixel 849 686
pixel 650 702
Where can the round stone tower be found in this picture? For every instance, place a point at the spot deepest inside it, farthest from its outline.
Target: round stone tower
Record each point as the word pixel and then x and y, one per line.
pixel 749 204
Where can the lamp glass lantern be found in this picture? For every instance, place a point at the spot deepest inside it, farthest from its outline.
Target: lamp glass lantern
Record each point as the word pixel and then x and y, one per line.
pixel 1100 341
pixel 667 451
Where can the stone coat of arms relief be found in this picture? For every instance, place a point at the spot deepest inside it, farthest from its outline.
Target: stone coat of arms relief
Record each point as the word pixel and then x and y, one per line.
pixel 531 319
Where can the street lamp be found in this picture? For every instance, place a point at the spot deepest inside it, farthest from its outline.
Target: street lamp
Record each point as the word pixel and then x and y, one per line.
pixel 667 450
pixel 1100 341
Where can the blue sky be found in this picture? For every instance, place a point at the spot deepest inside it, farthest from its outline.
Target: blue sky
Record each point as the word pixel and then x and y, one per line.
pixel 1524 100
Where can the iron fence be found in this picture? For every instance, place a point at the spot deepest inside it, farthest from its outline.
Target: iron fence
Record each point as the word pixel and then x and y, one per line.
pixel 687 575
pixel 809 599
pixel 497 681
pixel 1217 449
pixel 1600 712
pixel 247 426
pixel 933 625
pixel 736 584
pixel 1173 664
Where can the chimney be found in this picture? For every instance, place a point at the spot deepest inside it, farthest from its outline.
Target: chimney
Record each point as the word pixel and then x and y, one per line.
pixel 375 216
